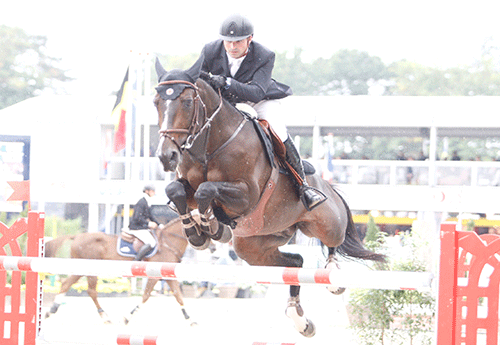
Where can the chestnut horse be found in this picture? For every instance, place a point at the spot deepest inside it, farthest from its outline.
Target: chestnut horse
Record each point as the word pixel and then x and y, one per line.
pixel 224 171
pixel 97 245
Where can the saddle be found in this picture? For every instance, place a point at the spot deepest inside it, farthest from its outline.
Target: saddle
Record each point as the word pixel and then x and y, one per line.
pixel 273 145
pixel 128 245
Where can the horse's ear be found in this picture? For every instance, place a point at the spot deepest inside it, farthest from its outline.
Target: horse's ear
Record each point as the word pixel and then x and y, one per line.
pixel 194 71
pixel 159 68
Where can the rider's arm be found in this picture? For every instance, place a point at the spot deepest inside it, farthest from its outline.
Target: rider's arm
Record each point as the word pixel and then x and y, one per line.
pixel 255 90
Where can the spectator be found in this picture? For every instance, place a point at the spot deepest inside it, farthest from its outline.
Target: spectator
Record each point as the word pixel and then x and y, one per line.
pixel 455 156
pixel 401 156
pixel 421 156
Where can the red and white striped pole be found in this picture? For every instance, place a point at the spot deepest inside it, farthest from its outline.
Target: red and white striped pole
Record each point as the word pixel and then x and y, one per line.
pixel 125 339
pixel 389 280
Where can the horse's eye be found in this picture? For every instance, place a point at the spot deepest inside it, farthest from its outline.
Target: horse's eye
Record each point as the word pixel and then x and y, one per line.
pixel 187 103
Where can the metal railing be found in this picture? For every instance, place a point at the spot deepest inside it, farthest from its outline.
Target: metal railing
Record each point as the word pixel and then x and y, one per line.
pixel 382 172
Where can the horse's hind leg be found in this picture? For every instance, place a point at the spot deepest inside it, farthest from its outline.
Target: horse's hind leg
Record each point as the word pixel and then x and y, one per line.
pixel 331 263
pixel 92 292
pixel 263 251
pixel 65 286
pixel 294 310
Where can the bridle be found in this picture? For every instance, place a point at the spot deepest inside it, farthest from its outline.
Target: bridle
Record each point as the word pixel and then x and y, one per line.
pixel 199 122
pixel 198 131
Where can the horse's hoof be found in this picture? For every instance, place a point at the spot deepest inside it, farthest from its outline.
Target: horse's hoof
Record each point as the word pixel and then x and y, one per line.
pixel 310 330
pixel 223 235
pixel 125 320
pixel 199 242
pixel 334 265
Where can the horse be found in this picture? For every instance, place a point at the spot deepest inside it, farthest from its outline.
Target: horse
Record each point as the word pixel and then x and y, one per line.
pixel 100 246
pixel 223 170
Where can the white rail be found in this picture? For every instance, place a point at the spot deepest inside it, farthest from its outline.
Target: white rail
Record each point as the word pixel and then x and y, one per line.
pixel 388 280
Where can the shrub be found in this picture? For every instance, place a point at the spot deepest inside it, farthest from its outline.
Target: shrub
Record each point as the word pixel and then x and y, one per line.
pixel 392 316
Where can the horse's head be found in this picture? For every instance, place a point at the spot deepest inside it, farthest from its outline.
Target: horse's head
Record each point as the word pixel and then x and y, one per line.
pixel 180 109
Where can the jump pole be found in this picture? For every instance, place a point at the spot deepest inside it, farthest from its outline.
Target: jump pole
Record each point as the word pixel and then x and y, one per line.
pixel 387 280
pixel 125 339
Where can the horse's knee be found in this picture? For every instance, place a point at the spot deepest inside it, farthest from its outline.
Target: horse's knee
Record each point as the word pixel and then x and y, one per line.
pixel 206 192
pixel 175 191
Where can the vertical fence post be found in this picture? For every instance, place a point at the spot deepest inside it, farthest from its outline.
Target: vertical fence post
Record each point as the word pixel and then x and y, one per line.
pixel 20 325
pixel 446 322
pixel 33 303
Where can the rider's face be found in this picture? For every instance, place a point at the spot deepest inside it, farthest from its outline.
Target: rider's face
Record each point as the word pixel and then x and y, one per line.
pixel 237 49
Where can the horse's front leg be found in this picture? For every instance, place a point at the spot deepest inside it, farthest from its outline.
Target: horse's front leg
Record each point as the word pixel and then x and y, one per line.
pixel 232 195
pixel 263 251
pixel 176 192
pixel 92 292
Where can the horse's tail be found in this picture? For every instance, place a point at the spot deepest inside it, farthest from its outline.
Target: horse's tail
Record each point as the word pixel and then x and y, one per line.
pixel 52 246
pixel 352 245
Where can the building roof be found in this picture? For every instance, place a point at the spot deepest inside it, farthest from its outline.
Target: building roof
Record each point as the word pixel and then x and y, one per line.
pixel 397 115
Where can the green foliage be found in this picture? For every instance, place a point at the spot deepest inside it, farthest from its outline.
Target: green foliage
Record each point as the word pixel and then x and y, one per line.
pixel 470 225
pixel 347 72
pixel 57 227
pixel 25 68
pixel 392 316
pixel 170 62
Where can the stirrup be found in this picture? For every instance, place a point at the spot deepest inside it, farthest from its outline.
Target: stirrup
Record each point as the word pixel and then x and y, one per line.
pixel 306 203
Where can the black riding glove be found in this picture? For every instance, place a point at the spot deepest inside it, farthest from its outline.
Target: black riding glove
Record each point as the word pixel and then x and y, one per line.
pixel 218 81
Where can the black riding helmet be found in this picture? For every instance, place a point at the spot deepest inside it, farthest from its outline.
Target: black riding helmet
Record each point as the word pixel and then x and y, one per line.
pixel 235 28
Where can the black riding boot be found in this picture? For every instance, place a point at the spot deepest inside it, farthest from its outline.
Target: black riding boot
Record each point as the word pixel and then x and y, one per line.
pixel 310 196
pixel 145 249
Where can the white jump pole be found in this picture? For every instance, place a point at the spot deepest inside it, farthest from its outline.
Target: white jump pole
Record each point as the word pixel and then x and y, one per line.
pixel 387 280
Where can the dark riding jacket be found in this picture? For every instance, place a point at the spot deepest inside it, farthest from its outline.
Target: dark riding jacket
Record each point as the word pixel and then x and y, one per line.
pixel 142 215
pixel 253 81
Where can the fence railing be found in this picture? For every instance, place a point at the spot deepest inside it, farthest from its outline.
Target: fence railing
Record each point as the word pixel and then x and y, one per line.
pixel 393 172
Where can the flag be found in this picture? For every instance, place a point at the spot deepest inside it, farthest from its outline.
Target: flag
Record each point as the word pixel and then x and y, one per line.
pixel 21 191
pixel 118 115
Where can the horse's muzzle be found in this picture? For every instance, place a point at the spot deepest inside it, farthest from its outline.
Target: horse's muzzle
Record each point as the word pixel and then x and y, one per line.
pixel 169 160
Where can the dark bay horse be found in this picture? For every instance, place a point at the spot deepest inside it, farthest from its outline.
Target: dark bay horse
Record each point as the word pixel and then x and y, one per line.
pixel 97 245
pixel 224 172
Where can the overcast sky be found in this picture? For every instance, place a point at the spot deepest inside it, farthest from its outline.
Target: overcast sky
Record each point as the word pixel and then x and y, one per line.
pixel 93 38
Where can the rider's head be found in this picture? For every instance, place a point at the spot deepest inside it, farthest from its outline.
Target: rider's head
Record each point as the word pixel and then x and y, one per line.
pixel 237 33
pixel 149 190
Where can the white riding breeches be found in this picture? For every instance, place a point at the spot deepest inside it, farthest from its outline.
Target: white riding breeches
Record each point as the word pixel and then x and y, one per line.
pixel 144 235
pixel 271 111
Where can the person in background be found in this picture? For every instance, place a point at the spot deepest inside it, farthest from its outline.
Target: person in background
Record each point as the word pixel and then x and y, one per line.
pixel 142 222
pixel 455 156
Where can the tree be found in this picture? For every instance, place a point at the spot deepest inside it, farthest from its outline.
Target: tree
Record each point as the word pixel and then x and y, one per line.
pixel 295 73
pixel 347 72
pixel 25 68
pixel 412 79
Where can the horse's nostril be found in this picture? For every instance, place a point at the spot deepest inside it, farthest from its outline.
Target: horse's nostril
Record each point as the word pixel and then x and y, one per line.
pixel 173 158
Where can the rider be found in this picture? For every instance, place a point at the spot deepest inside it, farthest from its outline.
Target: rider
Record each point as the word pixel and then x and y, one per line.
pixel 142 221
pixel 242 69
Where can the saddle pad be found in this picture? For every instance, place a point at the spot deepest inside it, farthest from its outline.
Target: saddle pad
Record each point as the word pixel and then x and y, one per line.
pixel 126 249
